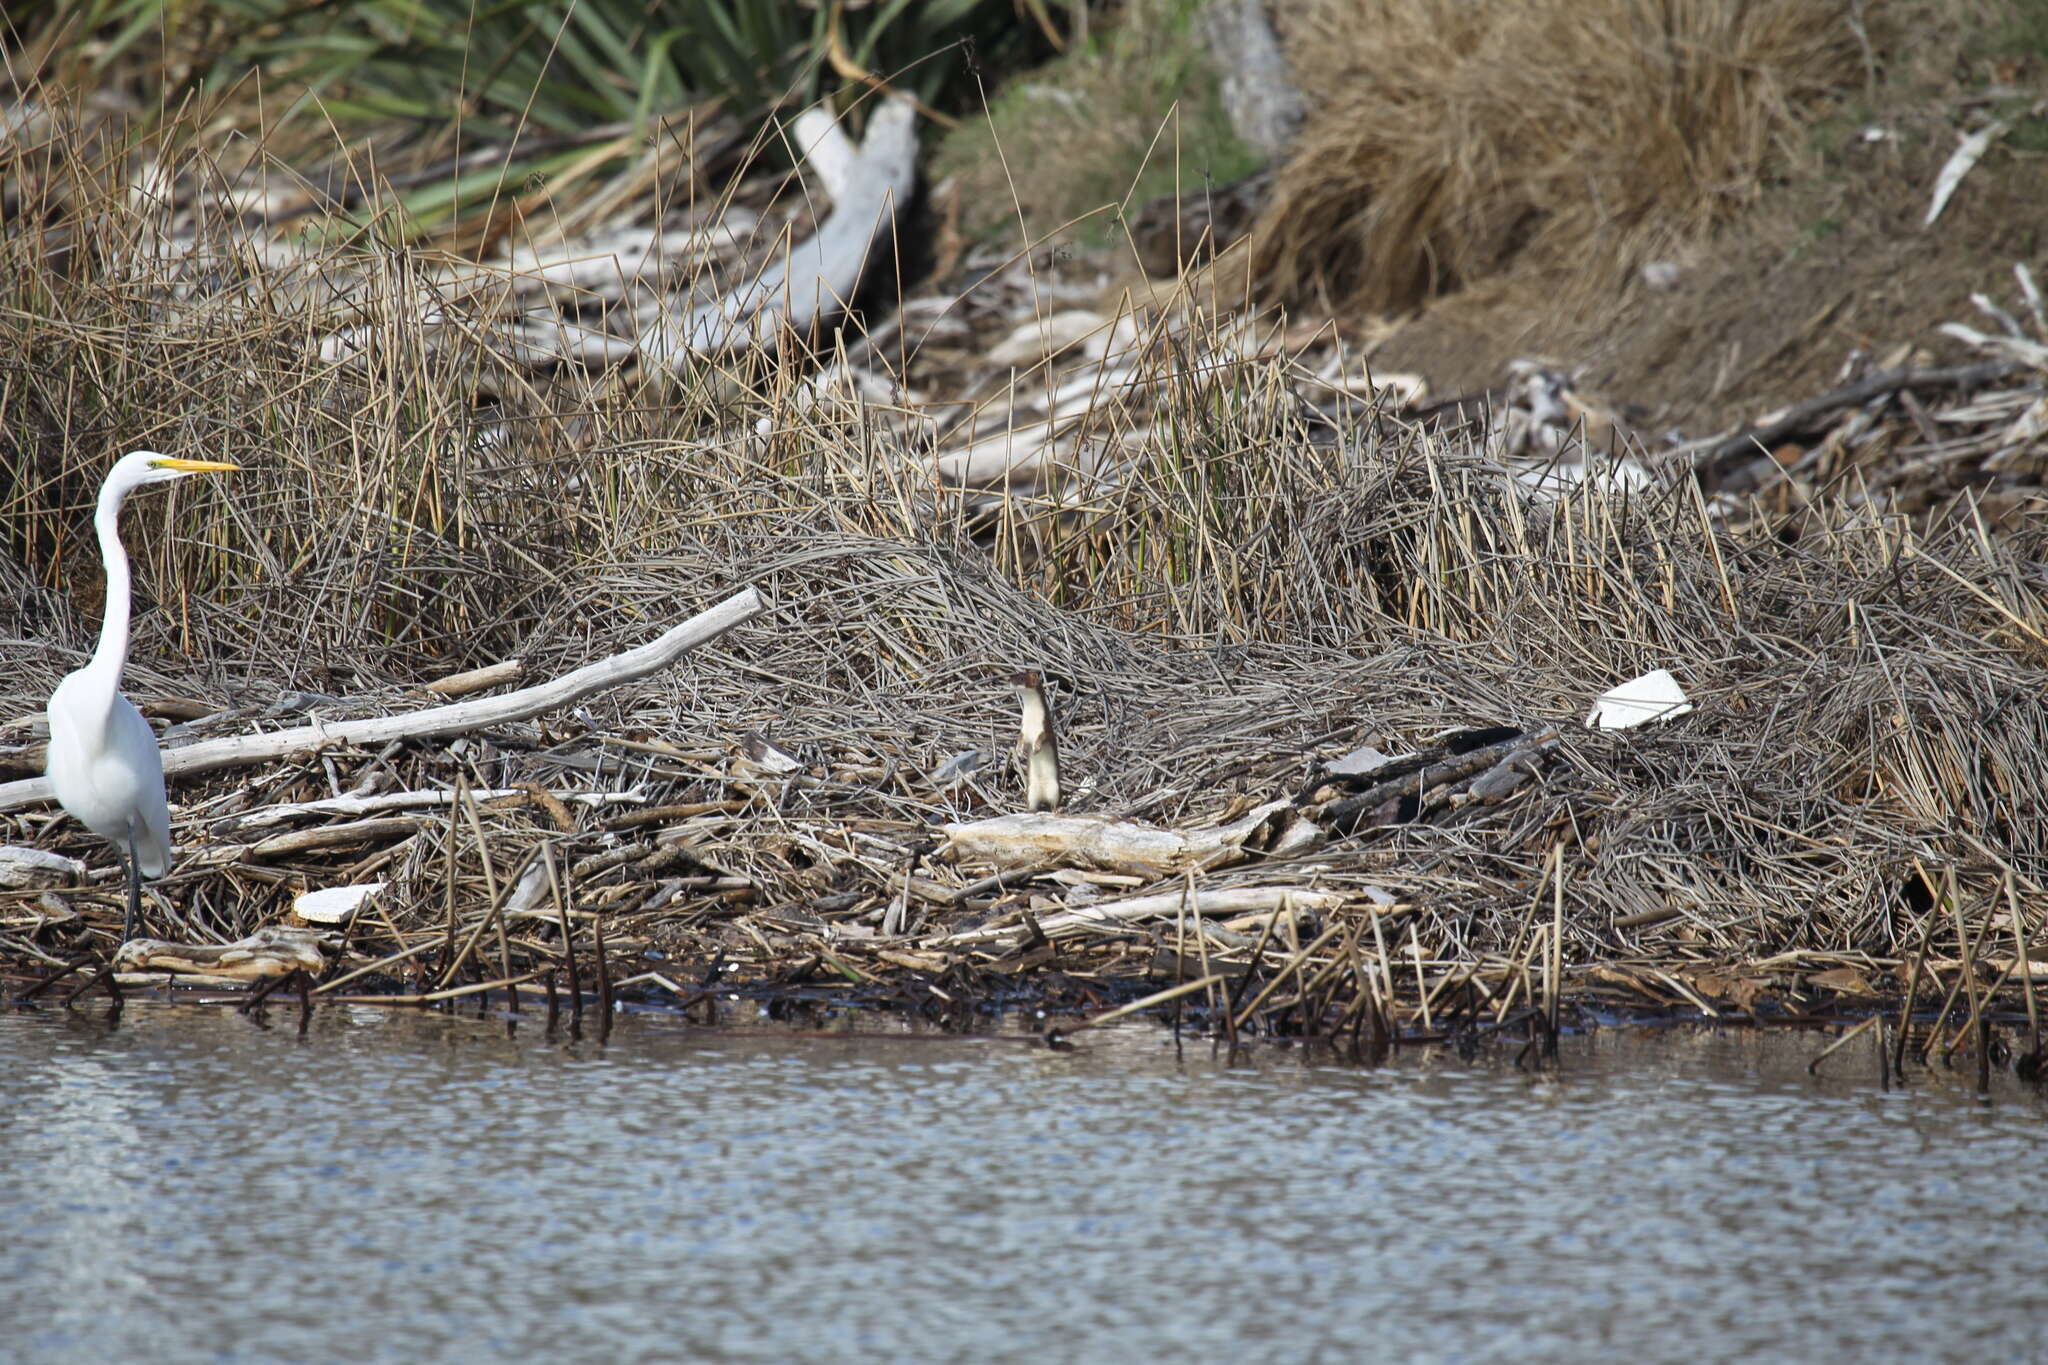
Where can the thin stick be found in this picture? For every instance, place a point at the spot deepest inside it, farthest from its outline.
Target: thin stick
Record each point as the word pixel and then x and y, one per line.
pixel 2021 938
pixel 440 721
pixel 1292 968
pixel 1421 982
pixel 1553 963
pixel 1913 975
pixel 556 883
pixel 382 962
pixel 434 997
pixel 604 978
pixel 1379 938
pixel 1156 998
pixel 1813 1067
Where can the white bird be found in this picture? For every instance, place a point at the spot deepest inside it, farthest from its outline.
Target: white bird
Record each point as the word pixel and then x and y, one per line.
pixel 104 763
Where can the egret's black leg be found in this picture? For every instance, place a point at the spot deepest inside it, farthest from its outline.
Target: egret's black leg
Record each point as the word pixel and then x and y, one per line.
pixel 134 891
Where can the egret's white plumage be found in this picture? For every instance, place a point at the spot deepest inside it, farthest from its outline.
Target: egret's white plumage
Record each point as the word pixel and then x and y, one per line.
pixel 104 764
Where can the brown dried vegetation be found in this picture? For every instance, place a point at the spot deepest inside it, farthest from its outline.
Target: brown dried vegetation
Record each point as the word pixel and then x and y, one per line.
pixel 1449 142
pixel 1862 785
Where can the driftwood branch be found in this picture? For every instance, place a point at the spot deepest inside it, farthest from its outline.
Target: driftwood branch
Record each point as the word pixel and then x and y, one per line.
pixel 816 278
pixel 1235 900
pixel 1427 785
pixel 1804 417
pixel 820 275
pixel 273 951
pixel 440 721
pixel 1041 839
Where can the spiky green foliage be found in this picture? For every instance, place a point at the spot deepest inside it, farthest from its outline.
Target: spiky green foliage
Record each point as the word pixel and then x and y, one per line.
pixel 506 66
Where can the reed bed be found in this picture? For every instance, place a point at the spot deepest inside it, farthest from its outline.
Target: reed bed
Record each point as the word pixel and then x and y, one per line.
pixel 1851 817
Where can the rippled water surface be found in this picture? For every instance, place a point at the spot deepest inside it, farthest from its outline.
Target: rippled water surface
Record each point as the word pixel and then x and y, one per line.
pixel 188 1186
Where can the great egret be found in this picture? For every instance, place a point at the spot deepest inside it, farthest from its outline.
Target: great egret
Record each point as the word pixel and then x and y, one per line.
pixel 104 763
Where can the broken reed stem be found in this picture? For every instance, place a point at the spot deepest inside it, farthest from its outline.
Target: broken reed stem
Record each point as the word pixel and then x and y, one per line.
pixel 448 885
pixel 2022 944
pixel 1515 955
pixel 1978 1024
pixel 1292 968
pixel 1258 959
pixel 1966 976
pixel 604 976
pixel 557 877
pixel 483 843
pixel 1813 1067
pixel 1553 963
pixel 1421 982
pixel 1345 963
pixel 1904 1029
pixel 1125 1011
pixel 1201 942
pixel 1328 972
pixel 1379 938
pixel 381 963
pixel 1518 973
pixel 493 914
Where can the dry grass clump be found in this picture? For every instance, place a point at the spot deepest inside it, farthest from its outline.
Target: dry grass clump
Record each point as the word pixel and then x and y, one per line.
pixel 1447 142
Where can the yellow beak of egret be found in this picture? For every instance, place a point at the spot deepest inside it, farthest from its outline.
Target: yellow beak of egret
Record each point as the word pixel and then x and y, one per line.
pixel 194 466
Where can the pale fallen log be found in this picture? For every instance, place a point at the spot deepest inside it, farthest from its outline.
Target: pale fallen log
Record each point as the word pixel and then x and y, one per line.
pixel 824 146
pixel 273 951
pixel 1042 839
pixel 437 722
pixel 266 816
pixel 820 275
pixel 334 836
pixel 36 869
pixel 1164 905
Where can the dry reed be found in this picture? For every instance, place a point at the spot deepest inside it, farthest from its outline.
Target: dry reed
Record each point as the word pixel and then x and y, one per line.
pixel 1448 142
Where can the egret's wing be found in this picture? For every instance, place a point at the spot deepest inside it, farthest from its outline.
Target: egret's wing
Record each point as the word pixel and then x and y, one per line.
pixel 132 760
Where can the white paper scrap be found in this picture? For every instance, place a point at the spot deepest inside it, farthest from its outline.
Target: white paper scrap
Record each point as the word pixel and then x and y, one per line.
pixel 1654 696
pixel 334 904
pixel 1357 763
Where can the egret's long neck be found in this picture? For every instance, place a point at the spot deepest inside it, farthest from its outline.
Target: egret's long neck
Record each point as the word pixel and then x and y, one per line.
pixel 112 655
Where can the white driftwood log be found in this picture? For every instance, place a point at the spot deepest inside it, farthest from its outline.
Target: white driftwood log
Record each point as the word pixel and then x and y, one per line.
pixel 267 952
pixel 37 869
pixel 327 806
pixel 1046 840
pixel 295 842
pixel 1163 905
pixel 263 817
pixel 436 722
pixel 820 274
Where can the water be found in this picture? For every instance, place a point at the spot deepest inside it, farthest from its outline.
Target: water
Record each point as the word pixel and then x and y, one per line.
pixel 394 1187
